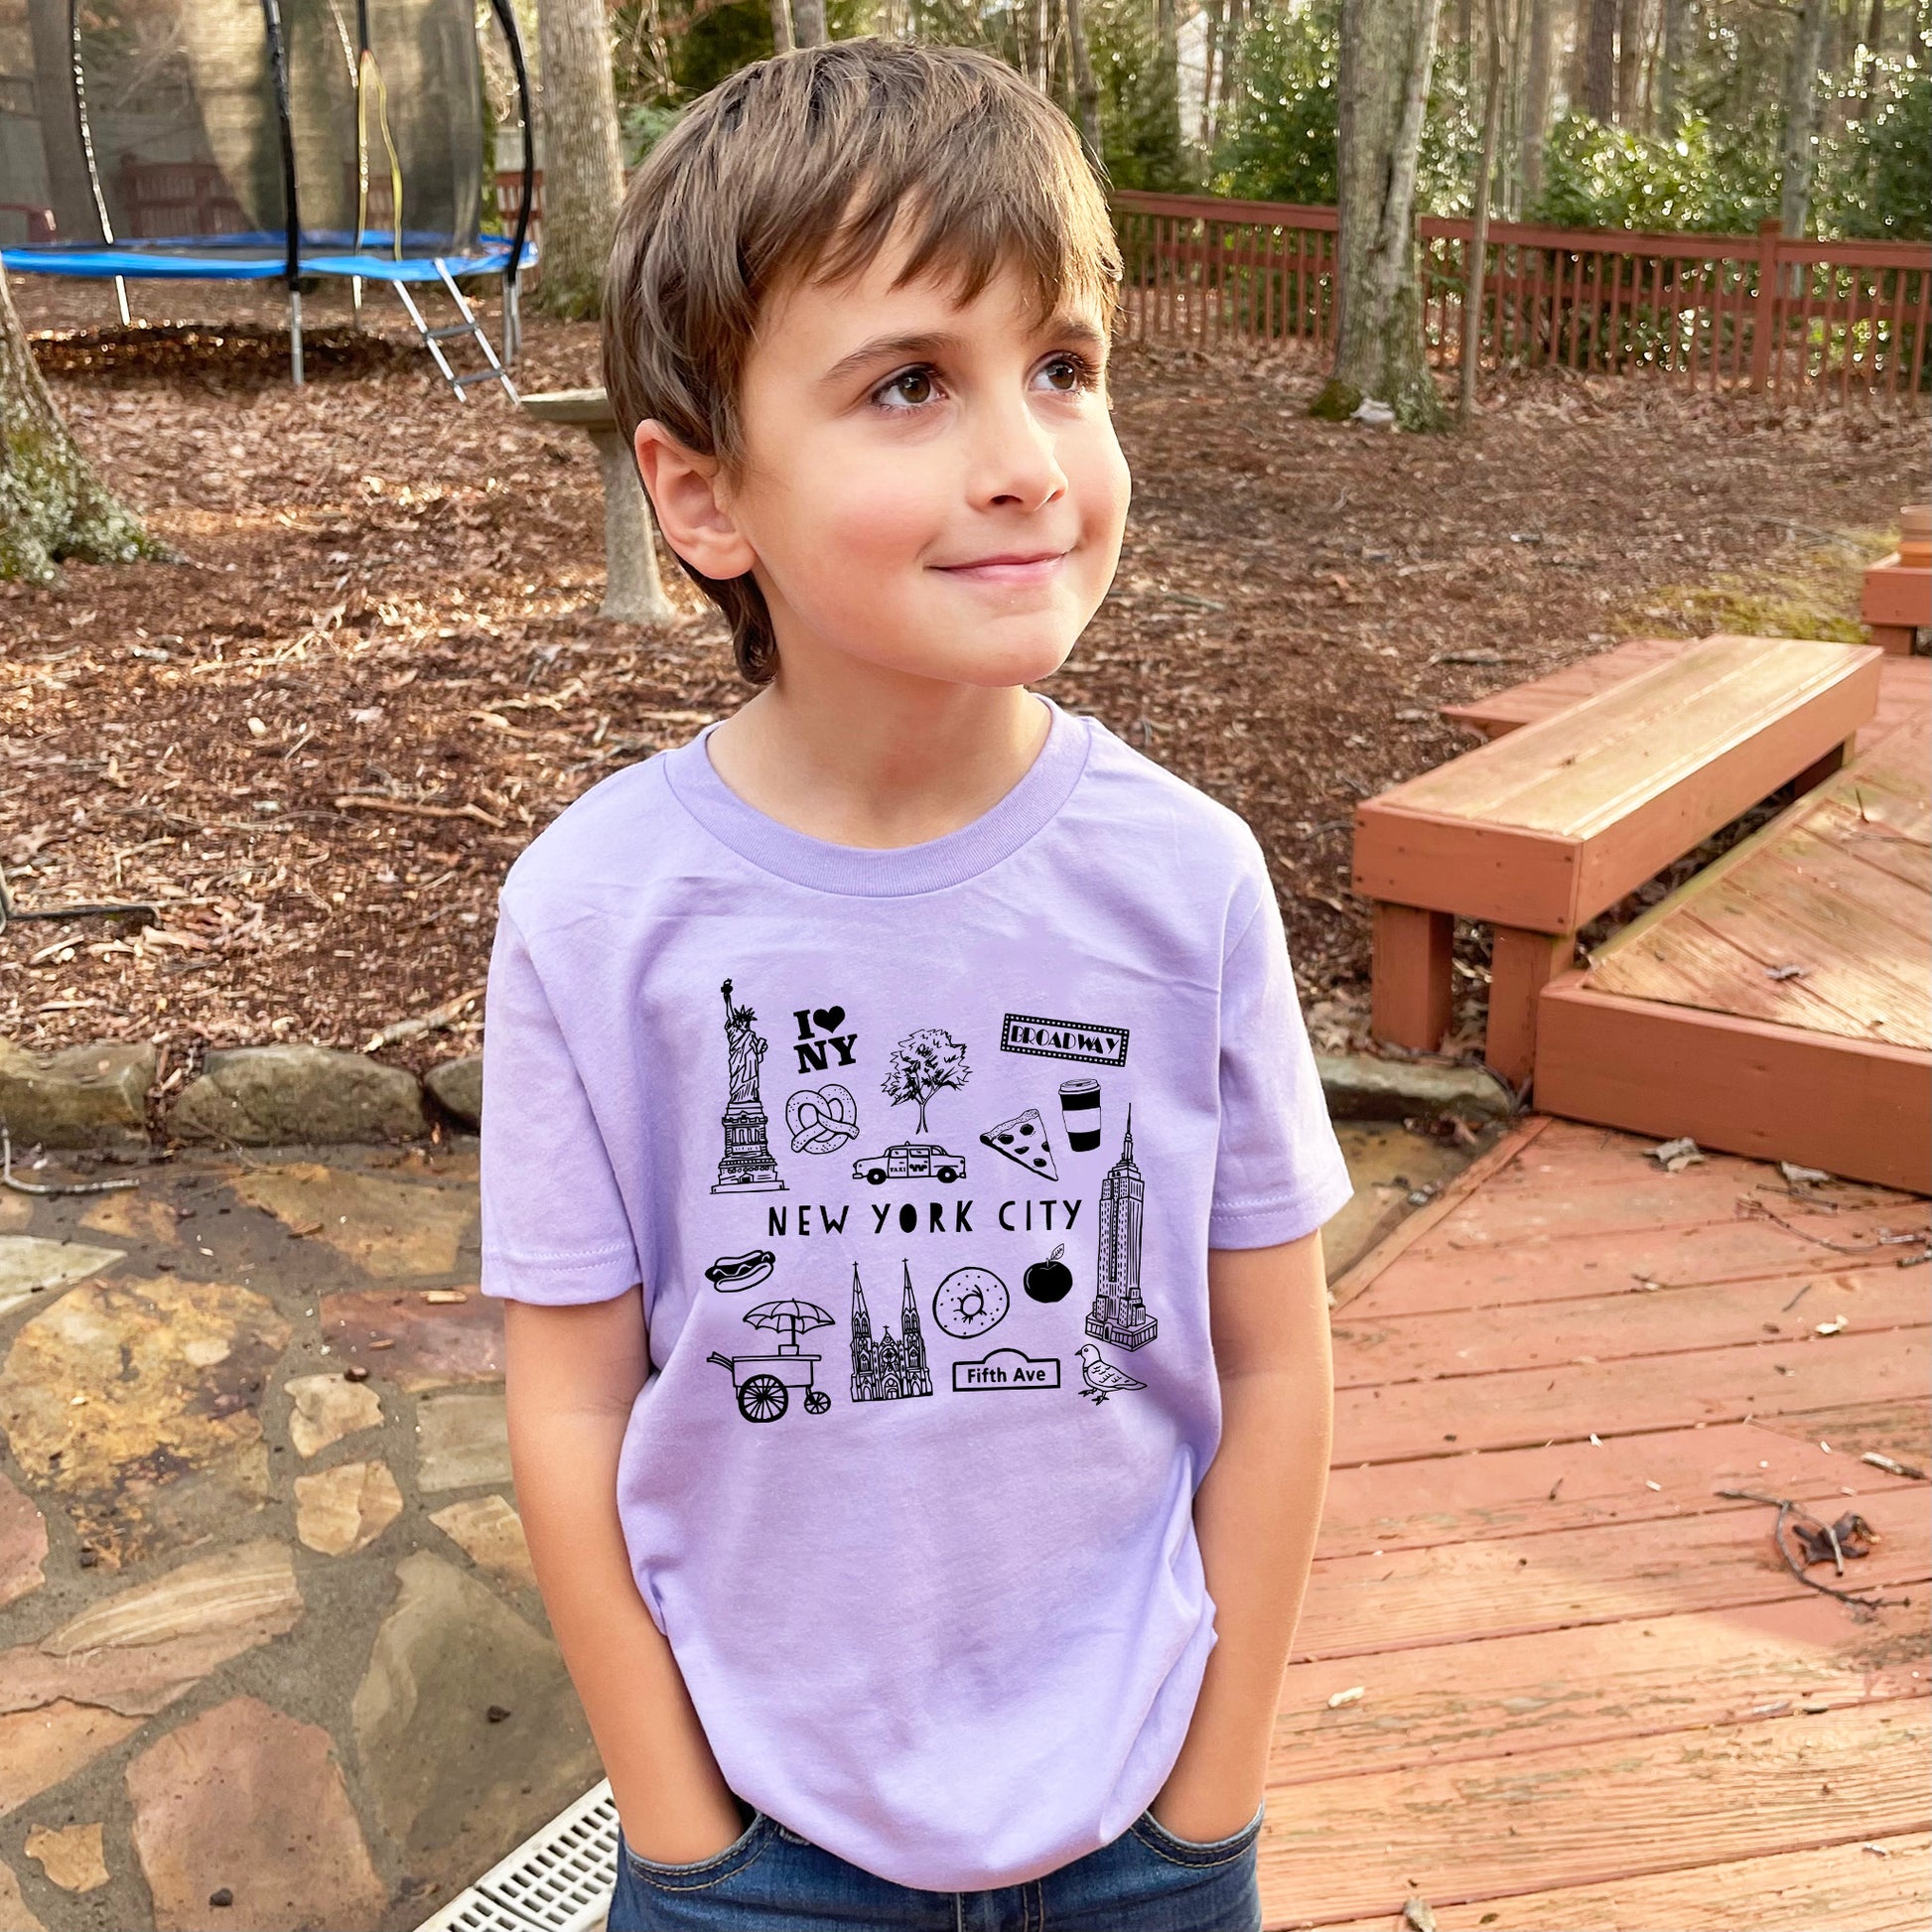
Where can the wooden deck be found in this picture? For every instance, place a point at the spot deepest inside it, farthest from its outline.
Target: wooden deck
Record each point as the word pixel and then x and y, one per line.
pixel 1592 1698
pixel 1679 1027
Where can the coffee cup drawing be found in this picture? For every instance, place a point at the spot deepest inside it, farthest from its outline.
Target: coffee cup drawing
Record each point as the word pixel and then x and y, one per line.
pixel 1080 1112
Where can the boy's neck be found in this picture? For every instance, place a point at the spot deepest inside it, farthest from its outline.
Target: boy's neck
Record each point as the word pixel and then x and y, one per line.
pixel 878 761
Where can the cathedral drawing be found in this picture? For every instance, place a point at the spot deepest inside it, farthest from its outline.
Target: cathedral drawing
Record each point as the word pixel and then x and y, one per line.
pixel 1118 1315
pixel 891 1366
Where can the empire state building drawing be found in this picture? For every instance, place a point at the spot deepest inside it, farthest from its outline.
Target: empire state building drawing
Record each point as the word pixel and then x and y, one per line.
pixel 1119 1316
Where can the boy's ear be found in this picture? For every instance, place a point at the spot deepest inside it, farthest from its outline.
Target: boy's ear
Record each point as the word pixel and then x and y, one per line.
pixel 685 491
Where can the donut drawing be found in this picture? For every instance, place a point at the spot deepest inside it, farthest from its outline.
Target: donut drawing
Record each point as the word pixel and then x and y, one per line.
pixel 969 1302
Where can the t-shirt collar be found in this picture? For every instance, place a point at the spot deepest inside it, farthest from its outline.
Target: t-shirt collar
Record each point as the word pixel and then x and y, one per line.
pixel 895 871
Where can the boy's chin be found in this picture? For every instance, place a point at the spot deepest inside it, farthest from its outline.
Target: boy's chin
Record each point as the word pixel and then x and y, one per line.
pixel 992 662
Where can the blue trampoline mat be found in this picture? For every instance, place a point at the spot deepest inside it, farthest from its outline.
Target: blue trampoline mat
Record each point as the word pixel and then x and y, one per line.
pixel 249 258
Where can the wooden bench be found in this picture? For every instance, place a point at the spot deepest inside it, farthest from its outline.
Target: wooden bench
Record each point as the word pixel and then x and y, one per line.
pixel 1541 830
pixel 633 592
pixel 1505 710
pixel 1897 601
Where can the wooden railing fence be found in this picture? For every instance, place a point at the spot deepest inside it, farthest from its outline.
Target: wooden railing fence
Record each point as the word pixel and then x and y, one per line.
pixel 1747 312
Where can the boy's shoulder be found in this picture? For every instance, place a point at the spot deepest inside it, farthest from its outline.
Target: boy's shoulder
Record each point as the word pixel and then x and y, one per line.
pixel 612 835
pixel 1134 797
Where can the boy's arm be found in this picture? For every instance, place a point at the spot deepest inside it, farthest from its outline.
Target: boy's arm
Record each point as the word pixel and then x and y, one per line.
pixel 573 1373
pixel 1256 1513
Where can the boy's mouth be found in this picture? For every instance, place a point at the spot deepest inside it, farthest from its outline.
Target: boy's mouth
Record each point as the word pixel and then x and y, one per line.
pixel 1011 567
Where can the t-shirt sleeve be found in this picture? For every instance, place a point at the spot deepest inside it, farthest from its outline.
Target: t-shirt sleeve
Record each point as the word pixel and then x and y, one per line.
pixel 1279 1173
pixel 554 1227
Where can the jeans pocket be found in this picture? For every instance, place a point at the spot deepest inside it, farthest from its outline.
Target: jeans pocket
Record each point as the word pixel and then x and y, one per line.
pixel 1164 1843
pixel 703 1872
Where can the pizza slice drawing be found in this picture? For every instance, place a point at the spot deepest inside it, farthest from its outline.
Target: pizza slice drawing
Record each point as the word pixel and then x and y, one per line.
pixel 1023 1139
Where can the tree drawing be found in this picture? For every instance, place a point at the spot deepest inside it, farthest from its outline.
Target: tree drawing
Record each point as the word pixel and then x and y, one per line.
pixel 921 1063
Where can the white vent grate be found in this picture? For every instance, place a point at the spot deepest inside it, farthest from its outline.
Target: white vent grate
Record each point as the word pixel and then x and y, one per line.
pixel 557 1881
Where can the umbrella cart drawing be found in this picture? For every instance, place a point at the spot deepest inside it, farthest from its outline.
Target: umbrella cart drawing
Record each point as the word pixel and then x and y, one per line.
pixel 765 1382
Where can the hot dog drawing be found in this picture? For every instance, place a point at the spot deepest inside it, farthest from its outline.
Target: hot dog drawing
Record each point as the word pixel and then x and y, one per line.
pixel 730 1273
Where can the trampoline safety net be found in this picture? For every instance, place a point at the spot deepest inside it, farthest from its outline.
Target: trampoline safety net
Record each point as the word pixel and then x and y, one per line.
pixel 146 133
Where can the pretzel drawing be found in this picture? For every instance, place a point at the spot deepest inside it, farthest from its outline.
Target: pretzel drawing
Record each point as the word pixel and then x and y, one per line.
pixel 821 1118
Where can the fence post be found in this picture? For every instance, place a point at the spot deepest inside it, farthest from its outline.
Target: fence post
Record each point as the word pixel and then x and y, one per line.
pixel 1764 311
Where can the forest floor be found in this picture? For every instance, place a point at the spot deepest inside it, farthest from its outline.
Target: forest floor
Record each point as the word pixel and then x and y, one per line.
pixel 317 742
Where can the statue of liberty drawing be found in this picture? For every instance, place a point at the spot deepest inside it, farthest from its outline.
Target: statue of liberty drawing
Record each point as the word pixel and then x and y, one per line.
pixel 748 1166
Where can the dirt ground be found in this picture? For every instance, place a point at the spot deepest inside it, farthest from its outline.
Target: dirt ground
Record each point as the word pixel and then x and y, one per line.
pixel 317 742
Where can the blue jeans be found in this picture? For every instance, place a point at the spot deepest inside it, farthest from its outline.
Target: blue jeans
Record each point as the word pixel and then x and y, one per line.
pixel 772 1880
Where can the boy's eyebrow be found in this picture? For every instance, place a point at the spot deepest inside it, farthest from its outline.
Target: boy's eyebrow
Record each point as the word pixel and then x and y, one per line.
pixel 1066 327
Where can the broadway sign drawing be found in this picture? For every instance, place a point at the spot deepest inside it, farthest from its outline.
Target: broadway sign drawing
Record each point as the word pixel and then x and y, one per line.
pixel 1063 1040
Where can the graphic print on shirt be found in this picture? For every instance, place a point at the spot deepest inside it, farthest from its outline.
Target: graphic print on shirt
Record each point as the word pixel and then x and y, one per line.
pixel 730 1273
pixel 1080 1114
pixel 1051 1280
pixel 765 1382
pixel 1023 1139
pixel 1118 1315
pixel 813 1053
pixel 1006 1368
pixel 969 1302
pixel 923 1063
pixel 748 1166
pixel 822 1118
pixel 1102 1377
pixel 888 1367
pixel 1063 1040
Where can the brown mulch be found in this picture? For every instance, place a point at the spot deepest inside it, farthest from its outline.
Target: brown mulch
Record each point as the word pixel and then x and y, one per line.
pixel 389 598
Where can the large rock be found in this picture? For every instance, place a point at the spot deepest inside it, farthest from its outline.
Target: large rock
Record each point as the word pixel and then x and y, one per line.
pixel 247 1800
pixel 82 1096
pixel 451 1788
pixel 388 1228
pixel 1360 1087
pixel 458 1085
pixel 277 1096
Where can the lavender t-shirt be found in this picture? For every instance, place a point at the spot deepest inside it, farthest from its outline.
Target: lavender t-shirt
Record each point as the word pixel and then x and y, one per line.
pixel 918 1155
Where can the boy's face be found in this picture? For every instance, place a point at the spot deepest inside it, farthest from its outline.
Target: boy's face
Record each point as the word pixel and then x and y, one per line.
pixel 931 487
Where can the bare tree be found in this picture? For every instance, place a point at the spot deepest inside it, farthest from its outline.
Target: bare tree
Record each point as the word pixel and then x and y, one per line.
pixel 1600 59
pixel 1798 138
pixel 583 166
pixel 1536 96
pixel 1479 258
pixel 1086 89
pixel 1677 22
pixel 781 40
pixel 1874 34
pixel 808 23
pixel 1210 49
pixel 1387 49
pixel 51 503
pixel 1629 59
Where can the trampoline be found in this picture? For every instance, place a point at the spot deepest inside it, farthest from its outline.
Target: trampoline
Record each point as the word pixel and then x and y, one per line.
pixel 262 141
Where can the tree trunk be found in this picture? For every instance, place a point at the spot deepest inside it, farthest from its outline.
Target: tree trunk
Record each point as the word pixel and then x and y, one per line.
pixel 1874 34
pixel 1167 30
pixel 1795 157
pixel 1234 27
pixel 52 504
pixel 583 169
pixel 1086 89
pixel 1630 59
pixel 1473 274
pixel 1536 97
pixel 808 23
pixel 781 40
pixel 1599 60
pixel 1038 32
pixel 1677 20
pixel 1210 48
pixel 67 187
pixel 1387 48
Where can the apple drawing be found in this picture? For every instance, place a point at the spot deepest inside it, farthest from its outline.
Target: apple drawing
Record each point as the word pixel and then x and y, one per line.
pixel 1048 1279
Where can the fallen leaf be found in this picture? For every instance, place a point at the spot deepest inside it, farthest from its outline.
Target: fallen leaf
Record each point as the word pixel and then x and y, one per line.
pixel 444 1294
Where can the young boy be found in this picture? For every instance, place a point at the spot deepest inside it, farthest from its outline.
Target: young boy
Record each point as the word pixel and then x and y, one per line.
pixel 903 1160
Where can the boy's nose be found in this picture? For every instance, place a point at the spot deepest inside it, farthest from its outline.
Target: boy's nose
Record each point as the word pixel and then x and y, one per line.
pixel 1014 459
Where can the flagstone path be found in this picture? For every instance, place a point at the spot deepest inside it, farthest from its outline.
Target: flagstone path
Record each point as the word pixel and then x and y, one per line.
pixel 269 1634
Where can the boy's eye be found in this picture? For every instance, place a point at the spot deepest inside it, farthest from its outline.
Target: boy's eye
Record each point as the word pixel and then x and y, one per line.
pixel 1070 373
pixel 910 387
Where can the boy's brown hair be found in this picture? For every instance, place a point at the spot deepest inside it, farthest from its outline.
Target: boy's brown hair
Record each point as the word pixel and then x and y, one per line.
pixel 799 167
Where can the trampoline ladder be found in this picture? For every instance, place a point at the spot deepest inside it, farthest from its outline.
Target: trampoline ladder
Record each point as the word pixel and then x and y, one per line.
pixel 434 339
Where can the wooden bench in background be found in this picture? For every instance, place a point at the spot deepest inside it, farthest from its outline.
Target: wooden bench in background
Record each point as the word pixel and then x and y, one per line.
pixel 1898 599
pixel 1541 830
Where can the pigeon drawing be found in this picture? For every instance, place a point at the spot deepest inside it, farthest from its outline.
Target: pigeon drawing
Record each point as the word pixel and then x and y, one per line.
pixel 1102 1377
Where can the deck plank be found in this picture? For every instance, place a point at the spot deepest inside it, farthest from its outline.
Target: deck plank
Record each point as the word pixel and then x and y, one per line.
pixel 1549 1268
pixel 1557 1690
pixel 1382 1347
pixel 1382 1507
pixel 1846 1887
pixel 1449 1592
pixel 1522 1408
